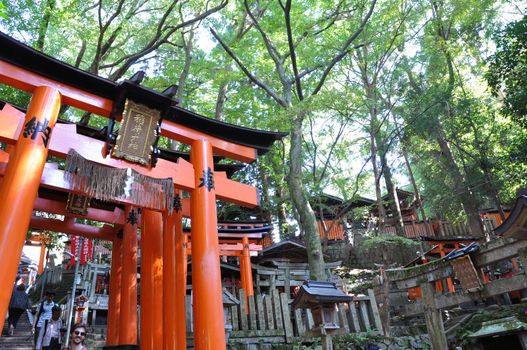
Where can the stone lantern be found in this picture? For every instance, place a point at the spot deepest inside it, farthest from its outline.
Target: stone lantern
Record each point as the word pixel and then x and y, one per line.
pixel 322 298
pixel 228 301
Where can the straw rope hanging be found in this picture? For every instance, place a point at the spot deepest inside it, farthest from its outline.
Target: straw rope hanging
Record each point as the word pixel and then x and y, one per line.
pixel 107 184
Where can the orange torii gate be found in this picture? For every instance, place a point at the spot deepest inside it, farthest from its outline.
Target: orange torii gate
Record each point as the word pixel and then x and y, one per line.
pixel 233 242
pixel 31 136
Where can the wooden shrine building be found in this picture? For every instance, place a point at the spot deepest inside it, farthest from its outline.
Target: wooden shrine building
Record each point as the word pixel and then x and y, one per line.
pixel 149 189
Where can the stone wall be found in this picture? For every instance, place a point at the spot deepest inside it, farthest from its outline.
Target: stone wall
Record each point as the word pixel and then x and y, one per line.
pixel 354 257
pixel 419 342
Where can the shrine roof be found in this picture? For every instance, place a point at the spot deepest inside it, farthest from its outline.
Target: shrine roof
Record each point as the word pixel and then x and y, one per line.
pixel 516 224
pixel 23 56
pixel 316 292
pixel 294 251
pixel 451 239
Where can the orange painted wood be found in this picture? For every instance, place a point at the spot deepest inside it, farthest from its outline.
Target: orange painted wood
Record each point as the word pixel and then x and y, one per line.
pixel 235 192
pixel 66 138
pixel 209 332
pixel 151 337
pixel 170 315
pixel 28 81
pixel 236 247
pixel 54 178
pixel 181 281
pixel 247 273
pixel 11 123
pixel 114 302
pixel 91 149
pixel 18 190
pixel 71 227
pixel 115 217
pixel 41 258
pixel 335 234
pixel 128 329
pixel 221 147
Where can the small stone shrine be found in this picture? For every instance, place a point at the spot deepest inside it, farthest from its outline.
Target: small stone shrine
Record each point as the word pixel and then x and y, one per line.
pixel 322 298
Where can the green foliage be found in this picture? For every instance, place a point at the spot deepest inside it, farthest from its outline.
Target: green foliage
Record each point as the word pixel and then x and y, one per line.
pixel 52 240
pixel 378 242
pixel 507 74
pixel 412 77
pixel 3 10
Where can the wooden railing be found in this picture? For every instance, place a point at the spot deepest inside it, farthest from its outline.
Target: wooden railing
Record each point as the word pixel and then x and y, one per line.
pixel 269 319
pixel 436 228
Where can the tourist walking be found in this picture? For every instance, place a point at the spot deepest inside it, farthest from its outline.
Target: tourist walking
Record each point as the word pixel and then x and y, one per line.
pixel 18 304
pixel 50 336
pixel 44 312
pixel 77 337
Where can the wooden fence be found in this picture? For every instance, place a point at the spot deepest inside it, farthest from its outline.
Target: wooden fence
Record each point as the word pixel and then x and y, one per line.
pixel 438 228
pixel 269 319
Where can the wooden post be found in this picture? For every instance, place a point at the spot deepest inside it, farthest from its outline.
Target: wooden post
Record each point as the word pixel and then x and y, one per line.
pixel 375 311
pixel 449 282
pixel 114 302
pixel 247 271
pixel 286 316
pixel 327 342
pixel 209 328
pixel 42 258
pixel 434 322
pixel 19 187
pixel 181 279
pixel 151 337
pixel 170 315
pixel 128 329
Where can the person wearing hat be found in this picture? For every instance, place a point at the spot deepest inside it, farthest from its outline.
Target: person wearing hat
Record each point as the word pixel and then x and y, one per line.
pixel 44 312
pixel 50 337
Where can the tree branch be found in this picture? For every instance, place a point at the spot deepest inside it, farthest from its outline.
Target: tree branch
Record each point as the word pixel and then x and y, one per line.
pixel 271 49
pixel 292 53
pixel 270 91
pixel 344 50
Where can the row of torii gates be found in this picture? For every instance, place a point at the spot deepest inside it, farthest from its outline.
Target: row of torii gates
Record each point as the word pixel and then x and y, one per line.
pixel 32 135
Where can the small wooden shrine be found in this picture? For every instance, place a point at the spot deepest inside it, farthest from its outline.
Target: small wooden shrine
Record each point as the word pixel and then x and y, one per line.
pixel 322 299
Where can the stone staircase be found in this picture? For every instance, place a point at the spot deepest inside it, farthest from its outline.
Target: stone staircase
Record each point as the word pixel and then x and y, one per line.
pixel 22 339
pixel 96 338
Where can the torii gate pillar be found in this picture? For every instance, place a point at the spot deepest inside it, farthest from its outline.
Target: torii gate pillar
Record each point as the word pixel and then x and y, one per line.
pixel 181 279
pixel 114 304
pixel 209 329
pixel 128 329
pixel 151 337
pixel 19 187
pixel 246 271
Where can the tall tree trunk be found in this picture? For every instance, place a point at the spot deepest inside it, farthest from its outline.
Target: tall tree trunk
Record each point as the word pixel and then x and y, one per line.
pixel 307 221
pixel 186 68
pixel 385 308
pixel 183 76
pixel 416 190
pixel 461 187
pixel 44 25
pixel 376 173
pixel 395 206
pixel 462 190
pixel 266 209
pixel 220 100
pixel 282 213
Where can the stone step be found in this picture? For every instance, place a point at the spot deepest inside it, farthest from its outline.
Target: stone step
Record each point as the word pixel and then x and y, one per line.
pixel 22 337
